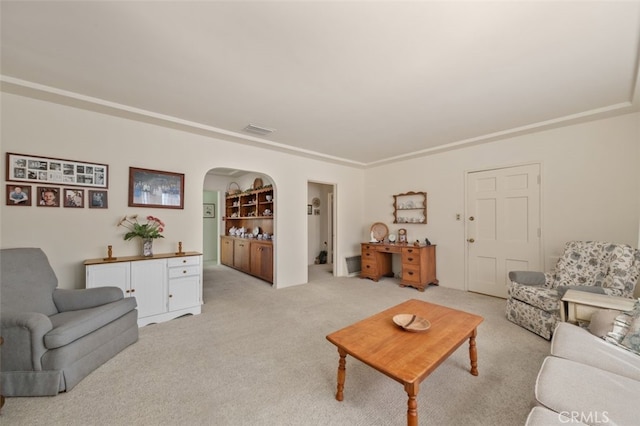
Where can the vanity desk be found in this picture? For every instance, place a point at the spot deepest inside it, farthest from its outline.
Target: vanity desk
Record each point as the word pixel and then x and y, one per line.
pixel 418 263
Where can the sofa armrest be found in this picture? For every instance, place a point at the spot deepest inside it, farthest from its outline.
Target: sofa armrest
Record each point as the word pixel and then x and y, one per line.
pixel 23 335
pixel 528 277
pixel 75 300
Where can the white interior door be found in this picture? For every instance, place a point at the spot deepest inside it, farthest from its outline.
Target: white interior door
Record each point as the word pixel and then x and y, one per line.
pixel 502 226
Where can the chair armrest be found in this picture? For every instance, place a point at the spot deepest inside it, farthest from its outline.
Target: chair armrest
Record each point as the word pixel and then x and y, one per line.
pixel 74 300
pixel 562 289
pixel 528 277
pixel 23 335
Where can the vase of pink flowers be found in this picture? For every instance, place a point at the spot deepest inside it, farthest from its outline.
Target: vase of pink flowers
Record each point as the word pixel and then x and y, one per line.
pixel 147 232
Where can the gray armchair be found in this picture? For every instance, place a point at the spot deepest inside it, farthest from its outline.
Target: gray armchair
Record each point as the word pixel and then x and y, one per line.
pixel 534 298
pixel 53 338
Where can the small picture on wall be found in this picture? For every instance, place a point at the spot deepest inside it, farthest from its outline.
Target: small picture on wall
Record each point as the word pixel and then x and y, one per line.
pixel 48 196
pixel 208 210
pixel 98 199
pixel 18 195
pixel 73 198
pixel 309 209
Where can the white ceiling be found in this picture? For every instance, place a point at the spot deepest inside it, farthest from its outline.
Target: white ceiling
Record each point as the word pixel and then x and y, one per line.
pixel 357 82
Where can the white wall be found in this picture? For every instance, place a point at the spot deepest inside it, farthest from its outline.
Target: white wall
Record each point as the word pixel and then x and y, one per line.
pixel 589 188
pixel 69 236
pixel 590 182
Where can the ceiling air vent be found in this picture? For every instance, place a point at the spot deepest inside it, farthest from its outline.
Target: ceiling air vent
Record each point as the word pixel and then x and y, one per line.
pixel 258 130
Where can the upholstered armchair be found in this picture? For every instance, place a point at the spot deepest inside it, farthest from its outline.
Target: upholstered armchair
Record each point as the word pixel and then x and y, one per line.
pixel 53 337
pixel 534 298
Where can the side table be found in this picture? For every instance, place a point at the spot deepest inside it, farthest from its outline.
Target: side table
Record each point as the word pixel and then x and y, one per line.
pixel 580 305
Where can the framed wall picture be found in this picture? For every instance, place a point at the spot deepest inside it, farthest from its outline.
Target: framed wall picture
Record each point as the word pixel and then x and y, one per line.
pixel 208 210
pixel 44 170
pixel 73 198
pixel 19 195
pixel 309 209
pixel 155 188
pixel 98 199
pixel 48 196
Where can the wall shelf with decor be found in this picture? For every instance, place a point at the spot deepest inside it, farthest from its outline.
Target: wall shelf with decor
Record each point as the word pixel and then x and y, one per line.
pixel 410 207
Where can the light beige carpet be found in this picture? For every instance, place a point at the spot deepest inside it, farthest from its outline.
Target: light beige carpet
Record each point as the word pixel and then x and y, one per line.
pixel 258 356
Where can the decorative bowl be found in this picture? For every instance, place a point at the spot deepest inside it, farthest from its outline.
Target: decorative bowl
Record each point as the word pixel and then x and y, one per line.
pixel 411 323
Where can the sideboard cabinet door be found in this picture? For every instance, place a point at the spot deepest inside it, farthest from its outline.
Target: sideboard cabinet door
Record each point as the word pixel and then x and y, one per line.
pixel 110 275
pixel 149 286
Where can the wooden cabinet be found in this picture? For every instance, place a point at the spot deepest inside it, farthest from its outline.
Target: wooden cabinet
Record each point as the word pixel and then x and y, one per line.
pixel 252 256
pixel 262 260
pixel 418 263
pixel 165 286
pixel 410 207
pixel 241 254
pixel 226 251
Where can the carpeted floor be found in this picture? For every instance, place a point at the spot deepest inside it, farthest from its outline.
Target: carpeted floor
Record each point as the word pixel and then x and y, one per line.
pixel 258 356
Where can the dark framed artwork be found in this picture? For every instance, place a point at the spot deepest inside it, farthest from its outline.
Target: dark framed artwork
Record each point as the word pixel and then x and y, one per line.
pixel 98 199
pixel 48 196
pixel 155 188
pixel 73 198
pixel 19 195
pixel 309 209
pixel 44 170
pixel 208 210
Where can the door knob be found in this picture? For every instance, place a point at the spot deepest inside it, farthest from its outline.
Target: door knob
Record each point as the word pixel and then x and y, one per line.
pixel 471 218
pixel 471 240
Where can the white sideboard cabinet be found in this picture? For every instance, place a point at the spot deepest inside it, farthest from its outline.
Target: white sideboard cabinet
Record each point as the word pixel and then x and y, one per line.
pixel 165 286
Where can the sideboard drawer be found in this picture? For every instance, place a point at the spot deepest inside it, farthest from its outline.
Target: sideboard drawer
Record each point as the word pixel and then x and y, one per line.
pixel 184 261
pixel 185 271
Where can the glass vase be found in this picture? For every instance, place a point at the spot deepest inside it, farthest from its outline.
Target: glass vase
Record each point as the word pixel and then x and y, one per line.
pixel 147 247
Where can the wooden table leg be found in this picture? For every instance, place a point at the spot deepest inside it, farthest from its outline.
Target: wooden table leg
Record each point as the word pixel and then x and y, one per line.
pixel 341 373
pixel 473 352
pixel 412 390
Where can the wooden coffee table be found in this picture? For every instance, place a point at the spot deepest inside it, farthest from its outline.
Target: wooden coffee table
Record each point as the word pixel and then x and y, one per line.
pixel 404 356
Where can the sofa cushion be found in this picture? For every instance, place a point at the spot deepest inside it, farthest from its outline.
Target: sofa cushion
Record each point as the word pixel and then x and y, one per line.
pixel 577 344
pixel 584 263
pixel 27 281
pixel 597 396
pixel 601 322
pixel 543 298
pixel 622 275
pixel 631 340
pixel 72 325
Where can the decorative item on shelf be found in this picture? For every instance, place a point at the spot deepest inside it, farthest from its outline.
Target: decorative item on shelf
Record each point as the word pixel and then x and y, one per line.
pixel 179 252
pixel 233 188
pixel 109 254
pixel 417 243
pixel 257 183
pixel 147 232
pixel 427 242
pixel 402 235
pixel 379 232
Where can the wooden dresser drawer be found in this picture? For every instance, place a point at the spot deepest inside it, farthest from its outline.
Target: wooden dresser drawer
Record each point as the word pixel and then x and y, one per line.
pixel 369 267
pixel 410 257
pixel 411 274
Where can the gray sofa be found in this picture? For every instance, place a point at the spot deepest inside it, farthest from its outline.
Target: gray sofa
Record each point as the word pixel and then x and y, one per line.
pixel 586 381
pixel 53 338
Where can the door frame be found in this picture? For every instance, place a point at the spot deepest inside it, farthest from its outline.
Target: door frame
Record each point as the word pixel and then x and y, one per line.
pixel 466 211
